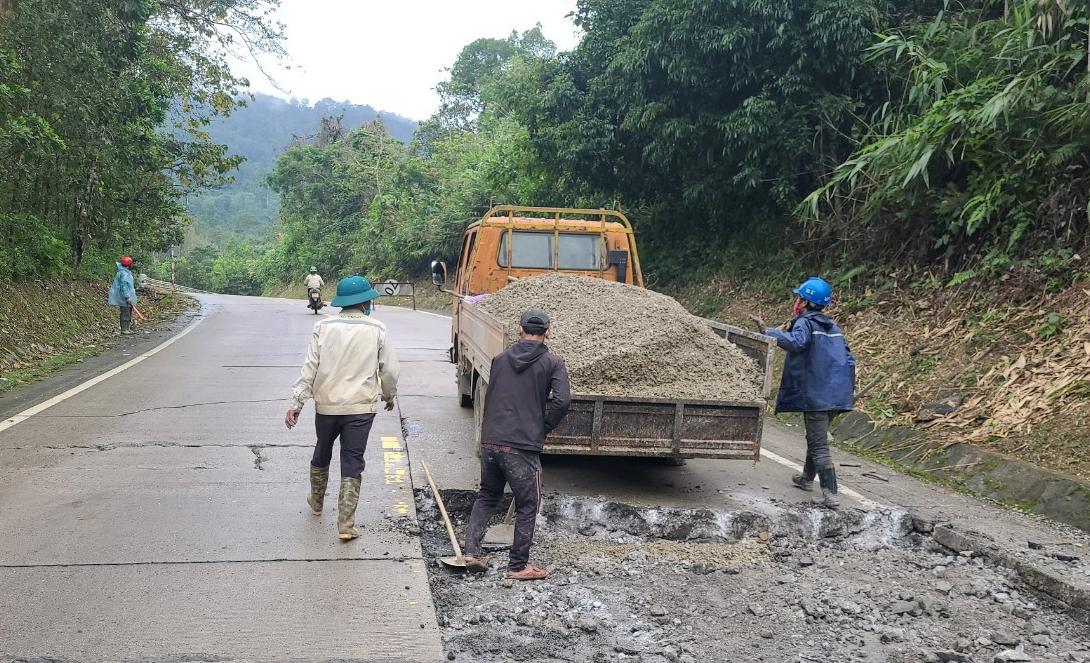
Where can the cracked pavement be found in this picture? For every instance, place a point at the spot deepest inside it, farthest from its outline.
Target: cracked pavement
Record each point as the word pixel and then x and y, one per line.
pixel 161 513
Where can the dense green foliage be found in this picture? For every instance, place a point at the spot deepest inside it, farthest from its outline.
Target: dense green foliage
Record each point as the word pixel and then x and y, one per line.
pixel 980 157
pixel 103 109
pixel 775 135
pixel 245 208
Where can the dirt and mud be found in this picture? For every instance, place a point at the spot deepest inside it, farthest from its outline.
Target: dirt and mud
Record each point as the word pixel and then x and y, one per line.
pixel 660 586
pixel 621 340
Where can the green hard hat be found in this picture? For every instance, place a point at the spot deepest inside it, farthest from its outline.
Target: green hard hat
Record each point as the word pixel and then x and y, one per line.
pixel 353 290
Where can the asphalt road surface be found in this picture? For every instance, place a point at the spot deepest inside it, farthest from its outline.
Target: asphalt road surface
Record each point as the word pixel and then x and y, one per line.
pixel 159 512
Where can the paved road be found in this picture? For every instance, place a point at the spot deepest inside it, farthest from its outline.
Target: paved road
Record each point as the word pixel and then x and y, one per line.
pixel 159 514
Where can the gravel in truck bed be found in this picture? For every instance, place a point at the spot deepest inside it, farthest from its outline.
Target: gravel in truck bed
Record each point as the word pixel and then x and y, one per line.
pixel 621 340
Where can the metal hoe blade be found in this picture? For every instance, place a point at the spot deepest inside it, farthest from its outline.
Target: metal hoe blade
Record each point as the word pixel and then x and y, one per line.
pixel 458 561
pixel 502 534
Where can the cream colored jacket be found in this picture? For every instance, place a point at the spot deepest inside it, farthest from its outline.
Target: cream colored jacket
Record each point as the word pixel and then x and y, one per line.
pixel 314 281
pixel 350 365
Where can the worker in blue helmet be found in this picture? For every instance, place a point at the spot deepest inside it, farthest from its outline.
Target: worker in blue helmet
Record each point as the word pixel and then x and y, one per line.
pixel 818 381
pixel 350 366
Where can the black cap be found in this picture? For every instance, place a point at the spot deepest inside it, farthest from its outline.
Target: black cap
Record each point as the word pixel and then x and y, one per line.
pixel 534 321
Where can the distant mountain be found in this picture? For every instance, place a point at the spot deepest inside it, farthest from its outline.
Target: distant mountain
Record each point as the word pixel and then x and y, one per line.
pixel 259 132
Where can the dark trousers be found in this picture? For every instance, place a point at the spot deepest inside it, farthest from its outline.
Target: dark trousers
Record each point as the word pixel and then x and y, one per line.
pixel 353 430
pixel 502 465
pixel 126 317
pixel 818 456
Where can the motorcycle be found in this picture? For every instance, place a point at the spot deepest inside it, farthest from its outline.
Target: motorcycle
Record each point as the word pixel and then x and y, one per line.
pixel 314 300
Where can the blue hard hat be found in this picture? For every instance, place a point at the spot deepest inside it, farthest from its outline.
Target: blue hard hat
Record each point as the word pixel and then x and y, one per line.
pixel 353 290
pixel 815 290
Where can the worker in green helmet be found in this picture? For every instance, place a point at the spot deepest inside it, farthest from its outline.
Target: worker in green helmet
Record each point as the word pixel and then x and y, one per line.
pixel 350 366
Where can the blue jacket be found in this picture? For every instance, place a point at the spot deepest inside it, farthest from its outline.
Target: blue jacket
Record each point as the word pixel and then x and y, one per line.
pixel 122 287
pixel 819 372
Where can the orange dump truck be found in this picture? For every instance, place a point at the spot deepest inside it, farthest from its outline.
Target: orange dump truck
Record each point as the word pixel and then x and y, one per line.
pixel 511 242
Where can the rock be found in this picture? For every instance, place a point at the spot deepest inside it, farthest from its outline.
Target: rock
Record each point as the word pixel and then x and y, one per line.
pixel 1004 638
pixel 658 611
pixel 806 561
pixel 1041 640
pixel 686 658
pixel 943 588
pixel 902 607
pixel 1037 628
pixel 587 624
pixel 1011 655
pixel 922 525
pixel 957 657
pixel 939 571
pixel 767 635
pixel 756 610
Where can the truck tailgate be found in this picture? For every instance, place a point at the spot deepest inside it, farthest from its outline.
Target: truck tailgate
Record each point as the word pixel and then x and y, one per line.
pixel 620 426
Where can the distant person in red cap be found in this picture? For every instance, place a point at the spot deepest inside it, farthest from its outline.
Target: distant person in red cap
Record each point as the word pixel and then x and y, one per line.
pixel 123 293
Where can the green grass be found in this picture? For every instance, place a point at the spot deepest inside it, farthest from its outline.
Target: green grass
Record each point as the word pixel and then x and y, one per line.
pixel 9 381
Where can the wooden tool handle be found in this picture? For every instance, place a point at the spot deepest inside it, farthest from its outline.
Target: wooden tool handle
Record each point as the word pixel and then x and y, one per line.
pixel 443 511
pixel 510 517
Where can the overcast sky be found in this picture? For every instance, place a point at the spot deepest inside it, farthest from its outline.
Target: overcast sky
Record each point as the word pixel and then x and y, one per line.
pixel 391 53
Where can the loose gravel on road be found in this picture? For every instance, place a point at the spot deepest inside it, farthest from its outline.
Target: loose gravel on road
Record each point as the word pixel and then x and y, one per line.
pixel 621 340
pixel 854 589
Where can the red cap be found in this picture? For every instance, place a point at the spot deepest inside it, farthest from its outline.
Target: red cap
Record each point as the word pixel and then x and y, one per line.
pixel 126 261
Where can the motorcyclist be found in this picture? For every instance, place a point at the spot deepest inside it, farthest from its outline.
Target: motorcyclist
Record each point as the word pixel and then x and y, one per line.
pixel 314 282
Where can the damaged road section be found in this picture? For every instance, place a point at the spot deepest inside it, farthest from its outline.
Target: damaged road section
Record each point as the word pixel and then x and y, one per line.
pixel 669 585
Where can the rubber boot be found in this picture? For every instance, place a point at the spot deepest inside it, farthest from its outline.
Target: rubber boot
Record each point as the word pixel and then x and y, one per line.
pixel 319 478
pixel 828 498
pixel 805 480
pixel 125 327
pixel 346 508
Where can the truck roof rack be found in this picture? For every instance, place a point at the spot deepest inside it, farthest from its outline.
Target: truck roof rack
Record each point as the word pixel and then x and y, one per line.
pixel 512 211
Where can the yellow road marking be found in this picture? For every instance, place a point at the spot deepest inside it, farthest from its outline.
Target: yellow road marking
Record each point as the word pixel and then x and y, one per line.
pixel 395 470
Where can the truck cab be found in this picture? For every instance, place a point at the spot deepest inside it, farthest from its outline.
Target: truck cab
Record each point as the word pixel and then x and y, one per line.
pixel 511 242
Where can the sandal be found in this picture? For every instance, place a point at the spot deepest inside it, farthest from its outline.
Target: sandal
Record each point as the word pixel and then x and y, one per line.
pixel 528 572
pixel 476 564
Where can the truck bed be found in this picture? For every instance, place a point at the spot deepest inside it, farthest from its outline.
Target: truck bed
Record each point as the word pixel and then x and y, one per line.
pixel 604 425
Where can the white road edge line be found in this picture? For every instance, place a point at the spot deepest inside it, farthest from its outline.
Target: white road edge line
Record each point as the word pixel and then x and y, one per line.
pixel 438 315
pixel 44 405
pixel 843 490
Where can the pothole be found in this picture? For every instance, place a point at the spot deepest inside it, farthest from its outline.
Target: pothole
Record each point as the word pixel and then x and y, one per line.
pixel 654 585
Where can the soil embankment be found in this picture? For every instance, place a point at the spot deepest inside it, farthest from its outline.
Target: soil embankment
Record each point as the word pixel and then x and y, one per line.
pixel 47 324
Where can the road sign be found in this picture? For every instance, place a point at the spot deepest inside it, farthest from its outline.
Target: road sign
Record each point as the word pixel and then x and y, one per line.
pixel 389 288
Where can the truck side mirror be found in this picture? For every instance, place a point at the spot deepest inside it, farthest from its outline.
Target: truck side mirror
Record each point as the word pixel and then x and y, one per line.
pixel 438 273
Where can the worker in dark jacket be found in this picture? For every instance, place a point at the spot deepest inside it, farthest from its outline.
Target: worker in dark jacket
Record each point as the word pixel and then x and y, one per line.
pixel 528 396
pixel 818 381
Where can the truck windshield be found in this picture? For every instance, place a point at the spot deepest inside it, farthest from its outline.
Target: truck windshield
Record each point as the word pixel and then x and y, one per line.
pixel 534 250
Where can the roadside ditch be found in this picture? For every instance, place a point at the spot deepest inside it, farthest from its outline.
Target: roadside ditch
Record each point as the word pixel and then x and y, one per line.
pixel 653 585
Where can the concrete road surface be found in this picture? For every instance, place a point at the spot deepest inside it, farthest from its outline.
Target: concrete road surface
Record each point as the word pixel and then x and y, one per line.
pixel 159 513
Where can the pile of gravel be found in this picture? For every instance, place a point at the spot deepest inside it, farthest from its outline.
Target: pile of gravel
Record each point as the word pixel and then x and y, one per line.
pixel 621 340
